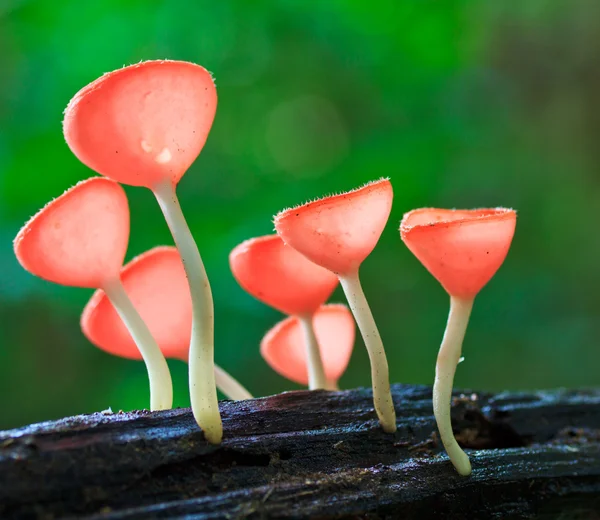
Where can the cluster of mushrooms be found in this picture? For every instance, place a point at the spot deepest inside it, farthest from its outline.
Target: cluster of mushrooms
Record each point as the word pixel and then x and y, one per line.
pixel 144 125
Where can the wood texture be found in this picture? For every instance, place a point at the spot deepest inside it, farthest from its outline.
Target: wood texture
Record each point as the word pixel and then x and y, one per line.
pixel 313 454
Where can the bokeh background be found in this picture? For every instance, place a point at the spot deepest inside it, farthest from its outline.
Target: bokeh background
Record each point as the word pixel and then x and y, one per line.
pixel 460 103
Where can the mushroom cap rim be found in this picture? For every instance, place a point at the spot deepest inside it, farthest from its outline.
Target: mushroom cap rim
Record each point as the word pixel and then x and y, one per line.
pixel 479 214
pixel 243 246
pixel 49 206
pixel 98 82
pixel 315 203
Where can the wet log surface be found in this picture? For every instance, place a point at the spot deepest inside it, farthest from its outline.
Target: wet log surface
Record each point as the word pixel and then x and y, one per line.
pixel 313 454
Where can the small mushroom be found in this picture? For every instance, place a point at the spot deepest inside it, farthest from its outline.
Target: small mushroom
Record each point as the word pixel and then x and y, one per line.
pixel 462 249
pixel 283 346
pixel 279 276
pixel 338 233
pixel 80 239
pixel 144 125
pixel 157 286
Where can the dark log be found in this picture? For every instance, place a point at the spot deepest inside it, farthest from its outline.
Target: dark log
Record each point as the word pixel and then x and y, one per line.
pixel 313 454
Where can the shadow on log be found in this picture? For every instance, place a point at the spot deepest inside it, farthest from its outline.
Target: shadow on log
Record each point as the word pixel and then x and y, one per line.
pixel 313 454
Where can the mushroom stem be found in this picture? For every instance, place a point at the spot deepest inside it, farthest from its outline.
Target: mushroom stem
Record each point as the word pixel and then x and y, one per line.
pixel 332 386
pixel 382 395
pixel 203 391
pixel 316 372
pixel 448 358
pixel 230 386
pixel 159 376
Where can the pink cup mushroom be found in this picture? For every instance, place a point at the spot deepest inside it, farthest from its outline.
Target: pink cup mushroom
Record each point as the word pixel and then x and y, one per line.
pixel 281 277
pixel 462 249
pixel 156 285
pixel 80 239
pixel 144 125
pixel 283 346
pixel 338 233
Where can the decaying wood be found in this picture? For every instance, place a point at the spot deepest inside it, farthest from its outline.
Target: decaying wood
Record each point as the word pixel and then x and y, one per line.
pixel 312 454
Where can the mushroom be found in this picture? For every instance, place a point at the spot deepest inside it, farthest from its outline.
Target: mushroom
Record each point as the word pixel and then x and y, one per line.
pixel 281 277
pixel 80 239
pixel 338 233
pixel 283 346
pixel 144 125
pixel 157 287
pixel 462 249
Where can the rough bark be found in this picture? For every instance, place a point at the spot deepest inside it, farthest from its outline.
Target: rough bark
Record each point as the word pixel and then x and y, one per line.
pixel 313 454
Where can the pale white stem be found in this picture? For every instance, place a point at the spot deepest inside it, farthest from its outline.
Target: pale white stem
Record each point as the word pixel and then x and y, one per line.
pixel 316 372
pixel 382 395
pixel 159 376
pixel 332 385
pixel 230 386
pixel 445 368
pixel 227 384
pixel 203 391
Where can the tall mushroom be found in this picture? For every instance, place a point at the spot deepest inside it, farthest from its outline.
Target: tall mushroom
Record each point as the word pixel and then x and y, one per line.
pixel 144 125
pixel 80 239
pixel 462 249
pixel 283 346
pixel 281 277
pixel 157 287
pixel 338 233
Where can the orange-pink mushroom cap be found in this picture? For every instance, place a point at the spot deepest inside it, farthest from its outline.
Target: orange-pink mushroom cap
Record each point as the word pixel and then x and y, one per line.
pixel 80 238
pixel 462 249
pixel 279 276
pixel 144 124
pixel 340 231
pixel 284 346
pixel 157 286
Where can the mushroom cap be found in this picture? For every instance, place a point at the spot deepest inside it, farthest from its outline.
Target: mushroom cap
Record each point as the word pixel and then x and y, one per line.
pixel 157 286
pixel 462 249
pixel 80 238
pixel 279 276
pixel 340 231
pixel 284 347
pixel 143 124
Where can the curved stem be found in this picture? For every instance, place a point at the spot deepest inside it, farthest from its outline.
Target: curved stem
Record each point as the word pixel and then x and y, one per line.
pixel 382 396
pixel 159 376
pixel 316 372
pixel 445 368
pixel 230 386
pixel 203 391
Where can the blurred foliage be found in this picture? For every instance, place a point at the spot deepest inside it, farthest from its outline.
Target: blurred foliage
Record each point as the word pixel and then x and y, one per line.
pixel 461 103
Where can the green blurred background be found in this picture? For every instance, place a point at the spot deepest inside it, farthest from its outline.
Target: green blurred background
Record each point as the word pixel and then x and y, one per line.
pixel 462 103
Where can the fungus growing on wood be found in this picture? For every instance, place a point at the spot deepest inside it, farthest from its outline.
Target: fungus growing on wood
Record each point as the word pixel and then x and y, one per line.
pixel 462 249
pixel 144 125
pixel 156 284
pixel 282 278
pixel 80 239
pixel 338 233
pixel 283 347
